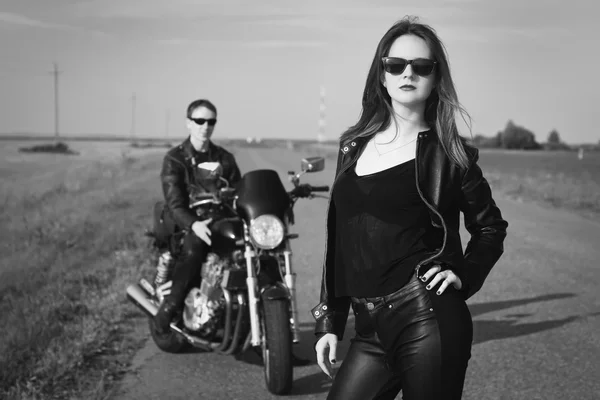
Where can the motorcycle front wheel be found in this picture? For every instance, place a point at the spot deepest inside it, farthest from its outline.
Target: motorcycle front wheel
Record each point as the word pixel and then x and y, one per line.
pixel 277 346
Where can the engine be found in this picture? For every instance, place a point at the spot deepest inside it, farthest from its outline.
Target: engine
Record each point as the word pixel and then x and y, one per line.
pixel 204 307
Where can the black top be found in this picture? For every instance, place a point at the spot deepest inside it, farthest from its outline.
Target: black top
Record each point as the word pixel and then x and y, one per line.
pixel 383 230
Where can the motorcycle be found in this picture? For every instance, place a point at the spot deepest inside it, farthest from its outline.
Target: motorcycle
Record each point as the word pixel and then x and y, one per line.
pixel 247 294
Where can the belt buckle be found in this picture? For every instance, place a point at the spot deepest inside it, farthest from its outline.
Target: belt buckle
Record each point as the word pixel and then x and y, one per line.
pixel 370 306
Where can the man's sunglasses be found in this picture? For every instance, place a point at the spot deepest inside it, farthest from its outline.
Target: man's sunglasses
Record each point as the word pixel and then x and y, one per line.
pixel 420 66
pixel 202 121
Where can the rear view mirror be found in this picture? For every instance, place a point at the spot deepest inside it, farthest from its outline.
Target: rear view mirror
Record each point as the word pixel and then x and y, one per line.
pixel 313 164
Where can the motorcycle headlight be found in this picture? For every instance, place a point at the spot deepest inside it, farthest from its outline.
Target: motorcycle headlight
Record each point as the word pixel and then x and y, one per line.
pixel 267 231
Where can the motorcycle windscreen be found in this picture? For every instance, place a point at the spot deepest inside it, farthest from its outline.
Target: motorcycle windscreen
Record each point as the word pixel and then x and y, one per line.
pixel 261 192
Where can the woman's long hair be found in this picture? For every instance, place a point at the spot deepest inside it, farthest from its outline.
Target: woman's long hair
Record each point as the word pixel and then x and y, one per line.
pixel 440 108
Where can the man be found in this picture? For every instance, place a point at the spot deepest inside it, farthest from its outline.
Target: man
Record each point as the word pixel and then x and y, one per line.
pixel 182 179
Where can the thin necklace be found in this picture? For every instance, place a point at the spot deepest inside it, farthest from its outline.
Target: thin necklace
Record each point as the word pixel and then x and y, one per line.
pixel 389 151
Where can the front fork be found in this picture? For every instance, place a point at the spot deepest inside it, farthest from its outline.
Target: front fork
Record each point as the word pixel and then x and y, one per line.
pixel 252 284
pixel 290 282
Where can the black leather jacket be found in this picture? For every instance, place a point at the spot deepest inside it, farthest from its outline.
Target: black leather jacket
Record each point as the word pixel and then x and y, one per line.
pixel 446 189
pixel 179 178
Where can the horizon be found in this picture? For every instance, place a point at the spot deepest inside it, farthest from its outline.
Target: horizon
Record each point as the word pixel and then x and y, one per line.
pixel 264 64
pixel 120 137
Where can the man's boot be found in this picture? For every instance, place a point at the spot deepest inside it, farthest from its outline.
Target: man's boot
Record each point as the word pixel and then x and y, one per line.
pixel 166 312
pixel 171 304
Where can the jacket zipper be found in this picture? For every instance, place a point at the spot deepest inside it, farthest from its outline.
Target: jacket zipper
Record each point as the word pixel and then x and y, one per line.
pixel 431 208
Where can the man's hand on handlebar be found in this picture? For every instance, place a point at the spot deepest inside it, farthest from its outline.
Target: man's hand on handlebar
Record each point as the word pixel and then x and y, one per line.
pixel 201 229
pixel 306 190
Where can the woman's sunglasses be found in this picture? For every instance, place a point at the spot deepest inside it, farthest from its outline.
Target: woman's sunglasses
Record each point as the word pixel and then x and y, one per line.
pixel 396 66
pixel 202 121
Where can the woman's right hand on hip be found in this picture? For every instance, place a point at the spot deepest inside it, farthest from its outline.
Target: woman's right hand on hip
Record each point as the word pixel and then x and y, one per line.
pixel 326 348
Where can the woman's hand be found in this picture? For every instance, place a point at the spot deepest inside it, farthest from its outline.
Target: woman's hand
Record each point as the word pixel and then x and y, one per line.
pixel 325 361
pixel 447 277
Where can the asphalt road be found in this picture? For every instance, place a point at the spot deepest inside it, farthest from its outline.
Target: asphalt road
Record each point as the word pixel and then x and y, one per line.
pixel 536 320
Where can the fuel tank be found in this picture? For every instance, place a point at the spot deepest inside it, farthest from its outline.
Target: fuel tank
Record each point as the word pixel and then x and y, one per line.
pixel 227 233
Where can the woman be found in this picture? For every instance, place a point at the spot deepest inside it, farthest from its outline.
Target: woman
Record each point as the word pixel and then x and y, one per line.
pixel 393 247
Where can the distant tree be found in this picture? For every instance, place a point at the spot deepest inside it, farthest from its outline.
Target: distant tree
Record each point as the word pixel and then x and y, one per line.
pixel 554 137
pixel 482 141
pixel 555 143
pixel 518 137
pixel 498 139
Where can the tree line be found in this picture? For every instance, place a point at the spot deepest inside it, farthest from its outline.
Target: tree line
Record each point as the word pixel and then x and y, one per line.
pixel 518 137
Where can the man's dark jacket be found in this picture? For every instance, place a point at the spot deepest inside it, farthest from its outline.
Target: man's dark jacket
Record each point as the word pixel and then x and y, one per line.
pixel 179 180
pixel 446 189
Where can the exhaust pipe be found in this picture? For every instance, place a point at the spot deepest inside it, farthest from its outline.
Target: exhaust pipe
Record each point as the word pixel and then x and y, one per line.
pixel 141 298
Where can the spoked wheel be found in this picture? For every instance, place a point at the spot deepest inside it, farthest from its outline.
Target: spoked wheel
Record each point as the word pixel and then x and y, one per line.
pixel 277 346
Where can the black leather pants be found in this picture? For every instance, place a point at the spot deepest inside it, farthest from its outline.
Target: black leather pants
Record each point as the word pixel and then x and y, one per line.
pixel 411 340
pixel 188 267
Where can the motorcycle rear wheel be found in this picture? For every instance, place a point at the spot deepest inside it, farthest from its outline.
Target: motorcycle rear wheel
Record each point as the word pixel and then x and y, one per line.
pixel 170 342
pixel 277 346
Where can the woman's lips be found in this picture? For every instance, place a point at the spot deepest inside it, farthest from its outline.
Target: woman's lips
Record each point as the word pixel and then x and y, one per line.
pixel 407 87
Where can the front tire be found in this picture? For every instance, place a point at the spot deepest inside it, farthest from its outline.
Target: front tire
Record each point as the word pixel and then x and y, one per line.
pixel 277 346
pixel 170 342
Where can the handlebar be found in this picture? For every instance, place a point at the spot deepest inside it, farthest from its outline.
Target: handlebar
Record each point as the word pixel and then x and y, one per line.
pixel 202 198
pixel 202 202
pixel 225 194
pixel 305 190
pixel 323 188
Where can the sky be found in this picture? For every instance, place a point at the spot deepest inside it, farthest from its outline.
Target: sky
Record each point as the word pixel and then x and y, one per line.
pixel 263 63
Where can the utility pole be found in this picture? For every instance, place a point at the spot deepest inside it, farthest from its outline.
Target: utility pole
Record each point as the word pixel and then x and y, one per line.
pixel 133 117
pixel 322 122
pixel 56 72
pixel 167 118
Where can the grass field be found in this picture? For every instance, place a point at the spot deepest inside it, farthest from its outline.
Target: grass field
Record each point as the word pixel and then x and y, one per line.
pixel 557 179
pixel 72 239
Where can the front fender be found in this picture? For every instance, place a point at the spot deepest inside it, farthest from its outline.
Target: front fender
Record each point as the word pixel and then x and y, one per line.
pixel 275 292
